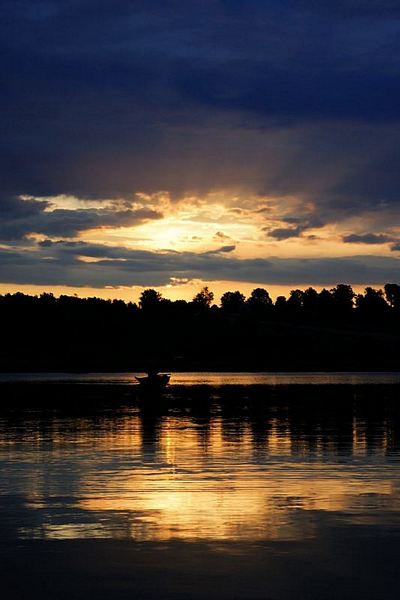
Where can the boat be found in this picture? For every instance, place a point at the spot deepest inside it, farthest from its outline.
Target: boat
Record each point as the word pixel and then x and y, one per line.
pixel 153 382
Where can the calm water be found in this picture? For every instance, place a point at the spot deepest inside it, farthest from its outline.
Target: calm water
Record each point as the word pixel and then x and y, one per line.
pixel 303 481
pixel 216 379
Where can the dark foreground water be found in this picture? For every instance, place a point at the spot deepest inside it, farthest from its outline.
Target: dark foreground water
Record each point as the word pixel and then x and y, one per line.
pixel 222 490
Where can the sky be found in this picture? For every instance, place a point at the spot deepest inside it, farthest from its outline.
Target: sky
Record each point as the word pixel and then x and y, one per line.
pixel 173 144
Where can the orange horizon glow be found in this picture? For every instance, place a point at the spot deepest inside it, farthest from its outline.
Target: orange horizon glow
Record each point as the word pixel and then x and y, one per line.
pixel 171 292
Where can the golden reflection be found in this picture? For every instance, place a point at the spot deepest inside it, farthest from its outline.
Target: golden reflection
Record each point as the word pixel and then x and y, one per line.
pixel 213 477
pixel 224 493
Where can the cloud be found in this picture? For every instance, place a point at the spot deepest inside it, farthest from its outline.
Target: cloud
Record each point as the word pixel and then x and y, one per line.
pixel 222 236
pixel 178 281
pixel 149 96
pixel 367 238
pixel 223 250
pixel 283 99
pixel 62 263
pixel 23 217
pixel 297 226
pixel 284 233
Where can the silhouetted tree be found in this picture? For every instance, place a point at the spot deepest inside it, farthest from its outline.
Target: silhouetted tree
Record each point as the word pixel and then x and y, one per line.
pixel 392 293
pixel 310 300
pixel 204 298
pixel 281 304
pixel 372 303
pixel 343 296
pixel 295 301
pixel 149 299
pixel 259 300
pixel 47 298
pixel 325 303
pixel 233 302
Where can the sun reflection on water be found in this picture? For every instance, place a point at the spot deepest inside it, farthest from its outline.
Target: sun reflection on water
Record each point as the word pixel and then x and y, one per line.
pixel 211 477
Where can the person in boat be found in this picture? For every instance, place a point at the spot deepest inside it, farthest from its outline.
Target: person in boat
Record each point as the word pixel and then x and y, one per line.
pixel 152 374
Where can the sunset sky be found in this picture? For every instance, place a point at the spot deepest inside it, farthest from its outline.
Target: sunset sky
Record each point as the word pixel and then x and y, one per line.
pixel 173 144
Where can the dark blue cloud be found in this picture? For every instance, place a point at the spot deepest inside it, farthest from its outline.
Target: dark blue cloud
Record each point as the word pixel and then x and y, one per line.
pixel 223 250
pixel 59 264
pixel 367 238
pixel 22 217
pixel 284 233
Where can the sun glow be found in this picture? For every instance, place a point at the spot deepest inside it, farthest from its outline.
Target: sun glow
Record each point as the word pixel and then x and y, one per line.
pixel 235 226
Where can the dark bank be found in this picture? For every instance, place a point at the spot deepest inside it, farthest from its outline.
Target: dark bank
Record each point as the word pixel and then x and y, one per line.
pixel 331 330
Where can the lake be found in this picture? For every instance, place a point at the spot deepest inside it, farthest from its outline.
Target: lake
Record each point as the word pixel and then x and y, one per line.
pixel 233 486
pixel 214 379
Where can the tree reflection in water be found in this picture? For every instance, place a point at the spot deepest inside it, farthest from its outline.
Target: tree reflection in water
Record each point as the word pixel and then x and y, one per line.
pixel 228 464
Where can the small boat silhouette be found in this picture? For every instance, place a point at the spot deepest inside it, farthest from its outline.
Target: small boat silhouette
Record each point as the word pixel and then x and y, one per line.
pixel 153 382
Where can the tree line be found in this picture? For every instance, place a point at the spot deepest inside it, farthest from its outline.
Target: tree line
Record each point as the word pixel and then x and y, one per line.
pixel 340 300
pixel 308 330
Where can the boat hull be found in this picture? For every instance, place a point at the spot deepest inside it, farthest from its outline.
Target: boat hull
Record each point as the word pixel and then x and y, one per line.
pixel 153 384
